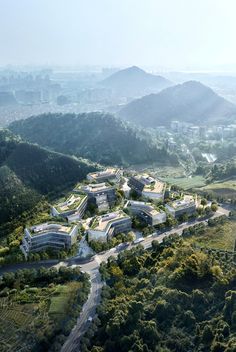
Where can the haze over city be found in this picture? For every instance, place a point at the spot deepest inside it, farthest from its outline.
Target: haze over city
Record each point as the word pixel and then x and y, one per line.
pixel 172 35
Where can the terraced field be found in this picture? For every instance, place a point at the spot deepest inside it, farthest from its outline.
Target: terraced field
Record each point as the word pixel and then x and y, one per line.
pixel 15 325
pixel 27 315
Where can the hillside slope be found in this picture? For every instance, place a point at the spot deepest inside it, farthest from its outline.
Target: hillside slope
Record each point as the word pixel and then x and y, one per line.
pixel 95 136
pixel 27 172
pixel 189 102
pixel 171 298
pixel 134 81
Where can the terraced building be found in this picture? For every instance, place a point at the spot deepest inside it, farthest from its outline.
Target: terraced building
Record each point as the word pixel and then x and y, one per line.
pixel 110 174
pixel 147 186
pixel 146 212
pixel 71 208
pixel 186 205
pixel 106 226
pixel 48 235
pixel 101 195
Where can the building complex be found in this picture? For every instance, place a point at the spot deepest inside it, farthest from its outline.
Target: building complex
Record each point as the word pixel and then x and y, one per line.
pixel 106 226
pixel 48 235
pixel 102 195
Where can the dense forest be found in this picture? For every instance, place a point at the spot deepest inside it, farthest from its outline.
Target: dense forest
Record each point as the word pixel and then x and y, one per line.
pixel 27 172
pixel 173 297
pixel 95 136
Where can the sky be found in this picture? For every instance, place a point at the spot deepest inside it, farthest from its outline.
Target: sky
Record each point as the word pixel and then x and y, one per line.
pixel 177 34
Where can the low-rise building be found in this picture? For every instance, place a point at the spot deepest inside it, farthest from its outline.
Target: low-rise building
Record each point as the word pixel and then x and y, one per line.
pixel 186 205
pixel 48 235
pixel 102 195
pixel 110 174
pixel 146 212
pixel 106 226
pixel 71 208
pixel 147 186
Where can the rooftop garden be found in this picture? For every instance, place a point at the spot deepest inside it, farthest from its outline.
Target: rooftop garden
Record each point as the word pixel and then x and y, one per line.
pixel 74 204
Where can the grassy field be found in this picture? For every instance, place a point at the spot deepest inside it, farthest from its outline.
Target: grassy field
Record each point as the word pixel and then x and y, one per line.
pixel 60 301
pixel 225 188
pixel 172 175
pixel 160 170
pixel 220 237
pixel 185 182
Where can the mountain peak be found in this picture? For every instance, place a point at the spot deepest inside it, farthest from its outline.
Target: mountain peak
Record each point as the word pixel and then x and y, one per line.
pixel 191 102
pixel 134 69
pixel 133 81
pixel 195 85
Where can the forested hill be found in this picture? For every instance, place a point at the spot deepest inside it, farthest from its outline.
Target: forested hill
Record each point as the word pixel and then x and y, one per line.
pixel 188 102
pixel 172 298
pixel 28 171
pixel 133 81
pixel 95 136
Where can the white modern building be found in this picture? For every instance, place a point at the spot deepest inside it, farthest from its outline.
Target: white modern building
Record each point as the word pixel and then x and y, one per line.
pixel 71 208
pixel 110 174
pixel 48 235
pixel 186 205
pixel 102 195
pixel 147 186
pixel 106 226
pixel 146 212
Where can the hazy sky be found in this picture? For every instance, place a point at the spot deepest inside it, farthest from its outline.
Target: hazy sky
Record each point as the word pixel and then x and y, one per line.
pixel 165 33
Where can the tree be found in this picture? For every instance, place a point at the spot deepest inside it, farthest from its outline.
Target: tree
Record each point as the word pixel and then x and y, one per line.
pixel 204 202
pixel 214 207
pixel 207 334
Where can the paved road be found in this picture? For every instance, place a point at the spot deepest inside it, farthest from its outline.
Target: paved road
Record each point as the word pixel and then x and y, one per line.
pixel 89 310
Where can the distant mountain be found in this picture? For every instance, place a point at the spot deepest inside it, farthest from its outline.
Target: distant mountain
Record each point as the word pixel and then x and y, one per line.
pixel 134 81
pixel 95 136
pixel 28 171
pixel 189 102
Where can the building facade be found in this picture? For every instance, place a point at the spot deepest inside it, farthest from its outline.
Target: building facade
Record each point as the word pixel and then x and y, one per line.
pixel 48 235
pixel 101 195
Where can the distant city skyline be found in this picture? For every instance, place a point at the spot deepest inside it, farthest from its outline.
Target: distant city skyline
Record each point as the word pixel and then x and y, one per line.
pixel 159 34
